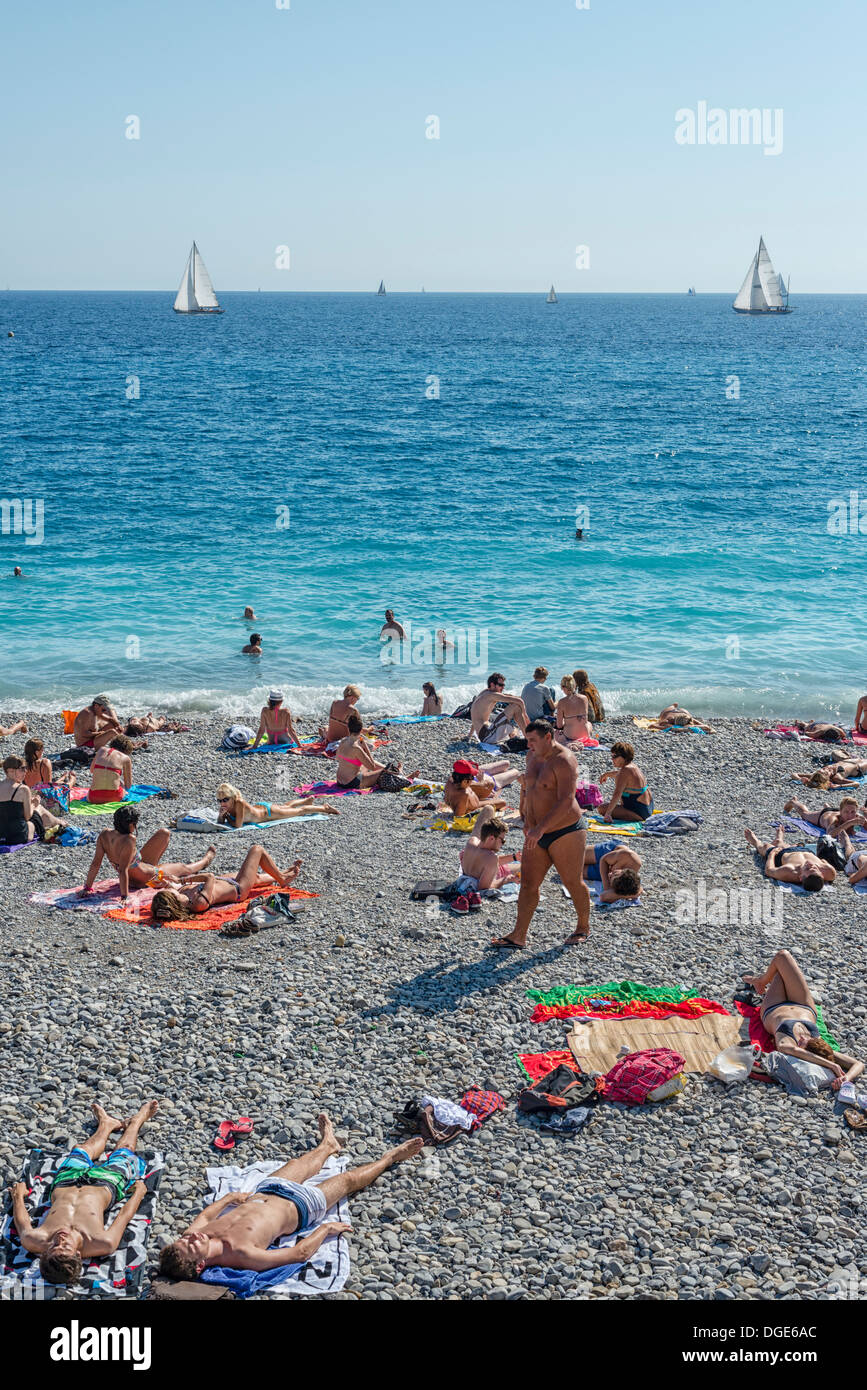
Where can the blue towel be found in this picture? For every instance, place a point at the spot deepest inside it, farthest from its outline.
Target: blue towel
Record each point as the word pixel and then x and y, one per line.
pixel 245 1282
pixel 411 719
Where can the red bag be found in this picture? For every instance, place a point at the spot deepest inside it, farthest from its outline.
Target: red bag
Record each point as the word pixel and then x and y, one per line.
pixel 634 1076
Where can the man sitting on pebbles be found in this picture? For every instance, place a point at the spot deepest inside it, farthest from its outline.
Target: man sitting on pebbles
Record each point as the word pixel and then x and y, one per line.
pixel 84 1187
pixel 239 1230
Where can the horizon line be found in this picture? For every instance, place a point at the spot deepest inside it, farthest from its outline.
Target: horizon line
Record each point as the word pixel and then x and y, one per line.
pixel 684 294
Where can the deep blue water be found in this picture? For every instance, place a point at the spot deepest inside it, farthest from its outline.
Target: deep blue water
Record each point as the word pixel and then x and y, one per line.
pixel 708 517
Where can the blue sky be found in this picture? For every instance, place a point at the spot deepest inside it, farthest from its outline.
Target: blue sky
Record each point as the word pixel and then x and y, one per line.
pixel 305 127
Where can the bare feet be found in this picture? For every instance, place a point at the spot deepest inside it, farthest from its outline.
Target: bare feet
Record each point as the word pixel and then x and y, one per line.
pixel 326 1130
pixel 103 1118
pixel 290 875
pixel 148 1110
pixel 208 855
pixel 752 839
pixel 326 810
pixel 410 1149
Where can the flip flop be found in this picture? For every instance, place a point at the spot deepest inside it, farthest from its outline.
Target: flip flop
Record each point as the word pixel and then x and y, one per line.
pixel 501 943
pixel 223 1138
pixel 576 936
pixel 855 1119
pixel 242 1126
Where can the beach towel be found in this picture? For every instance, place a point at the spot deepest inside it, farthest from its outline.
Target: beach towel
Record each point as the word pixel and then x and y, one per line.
pixel 80 806
pixel 211 920
pixel 326 1272
pixel 332 789
pixel 858 738
pixel 114 1276
pixel 72 836
pixel 412 719
pixel 202 820
pixel 616 827
pixel 538 1064
pixel 10 849
pixel 313 748
pixel 765 1040
pixel 618 999
pixel 654 726
pixel 596 1043
pixel 104 895
pixel 596 891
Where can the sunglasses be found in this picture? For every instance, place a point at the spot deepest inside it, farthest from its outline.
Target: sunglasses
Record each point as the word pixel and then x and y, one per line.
pixel 223 800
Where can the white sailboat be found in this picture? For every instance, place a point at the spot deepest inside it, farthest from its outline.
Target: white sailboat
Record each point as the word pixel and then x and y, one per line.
pixel 381 289
pixel 763 291
pixel 196 293
pixel 691 289
pixel 552 297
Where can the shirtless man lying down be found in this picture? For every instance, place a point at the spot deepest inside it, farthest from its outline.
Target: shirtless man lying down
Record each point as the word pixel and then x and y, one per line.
pixel 239 1230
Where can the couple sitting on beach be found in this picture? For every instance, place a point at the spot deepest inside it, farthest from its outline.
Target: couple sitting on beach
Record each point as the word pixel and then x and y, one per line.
pixel 240 1231
pixel 184 890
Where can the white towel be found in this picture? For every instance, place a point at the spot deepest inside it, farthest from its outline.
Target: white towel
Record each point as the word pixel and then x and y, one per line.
pixel 328 1270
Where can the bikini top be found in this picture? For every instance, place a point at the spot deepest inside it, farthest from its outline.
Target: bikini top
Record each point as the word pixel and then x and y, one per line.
pixel 12 812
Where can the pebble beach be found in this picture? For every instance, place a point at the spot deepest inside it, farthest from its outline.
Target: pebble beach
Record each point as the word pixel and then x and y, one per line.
pixel 741 1193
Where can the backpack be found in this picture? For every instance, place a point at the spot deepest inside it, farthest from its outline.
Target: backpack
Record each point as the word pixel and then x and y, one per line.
pixel 560 1090
pixel 237 736
pixel 463 711
pixel 631 1080
pixel 831 851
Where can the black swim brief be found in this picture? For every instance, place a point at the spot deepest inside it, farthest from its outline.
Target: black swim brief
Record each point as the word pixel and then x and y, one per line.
pixel 548 839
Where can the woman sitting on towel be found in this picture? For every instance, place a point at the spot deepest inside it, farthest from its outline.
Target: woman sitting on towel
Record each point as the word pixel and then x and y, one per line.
pixel 112 771
pixel 236 811
pixel 788 1012
pixel 837 774
pixel 40 772
pixel 572 714
pixel 790 865
pixel 137 868
pixel 275 722
pixel 22 817
pixel 356 766
pixel 631 798
pixel 433 703
pixel 673 717
pixel 205 891
pixel 585 686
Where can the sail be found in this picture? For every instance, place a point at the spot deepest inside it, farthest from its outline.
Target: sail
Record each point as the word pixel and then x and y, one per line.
pixel 185 300
pixel 552 298
pixel 381 289
pixel 751 295
pixel 768 278
pixel 204 290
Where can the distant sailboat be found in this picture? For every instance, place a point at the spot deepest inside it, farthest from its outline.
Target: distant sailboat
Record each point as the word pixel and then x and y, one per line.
pixel 763 291
pixel 552 298
pixel 196 293
pixel 691 289
pixel 381 289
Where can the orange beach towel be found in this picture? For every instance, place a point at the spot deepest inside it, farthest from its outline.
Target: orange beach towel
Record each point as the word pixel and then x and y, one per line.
pixel 211 920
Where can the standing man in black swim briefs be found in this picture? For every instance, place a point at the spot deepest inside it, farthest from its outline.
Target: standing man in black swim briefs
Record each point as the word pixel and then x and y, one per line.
pixel 555 832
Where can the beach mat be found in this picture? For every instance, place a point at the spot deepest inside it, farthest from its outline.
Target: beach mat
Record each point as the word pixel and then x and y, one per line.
pixel 858 834
pixel 616 827
pixel 313 748
pixel 326 1271
pixel 10 849
pixel 105 894
pixel 619 999
pixel 411 719
pixel 332 789
pixel 195 823
pixel 80 806
pixel 211 920
pixel 596 1043
pixel 118 1275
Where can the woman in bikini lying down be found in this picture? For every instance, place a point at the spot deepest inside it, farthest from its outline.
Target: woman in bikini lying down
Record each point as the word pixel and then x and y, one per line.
pixel 201 892
pixel 236 811
pixel 798 866
pixel 673 717
pixel 788 1012
pixel 837 774
pixel 831 820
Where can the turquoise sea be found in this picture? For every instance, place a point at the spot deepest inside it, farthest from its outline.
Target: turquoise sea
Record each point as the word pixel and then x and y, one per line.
pixel 324 456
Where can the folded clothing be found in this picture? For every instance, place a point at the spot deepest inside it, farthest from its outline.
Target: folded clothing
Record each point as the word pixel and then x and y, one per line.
pixel 447 1112
pixel 325 1272
pixel 619 999
pixel 673 822
pixel 118 1275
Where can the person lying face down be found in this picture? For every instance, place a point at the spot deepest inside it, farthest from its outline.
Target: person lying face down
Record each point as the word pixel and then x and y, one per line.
pixel 84 1187
pixel 616 867
pixel 240 1230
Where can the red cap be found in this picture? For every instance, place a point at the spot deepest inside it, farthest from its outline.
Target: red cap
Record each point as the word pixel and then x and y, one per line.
pixel 464 768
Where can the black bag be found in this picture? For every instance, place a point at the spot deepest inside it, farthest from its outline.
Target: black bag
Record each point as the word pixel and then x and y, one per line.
pixel 428 888
pixel 463 711
pixel 561 1090
pixel 831 851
